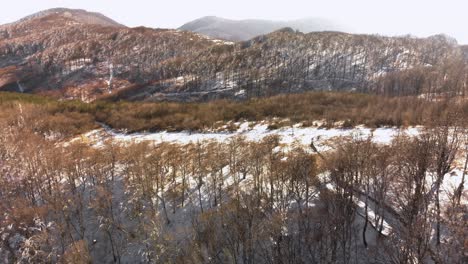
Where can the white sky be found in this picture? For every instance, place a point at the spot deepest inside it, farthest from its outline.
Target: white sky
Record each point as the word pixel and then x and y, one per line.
pixel 386 17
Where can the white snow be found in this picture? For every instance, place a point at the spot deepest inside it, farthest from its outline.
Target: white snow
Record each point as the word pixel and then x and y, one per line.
pixel 240 92
pixel 255 132
pixel 219 41
pixel 451 182
pixel 386 228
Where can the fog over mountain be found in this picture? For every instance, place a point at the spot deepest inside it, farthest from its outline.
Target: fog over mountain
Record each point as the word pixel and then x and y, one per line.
pixel 238 30
pixel 421 18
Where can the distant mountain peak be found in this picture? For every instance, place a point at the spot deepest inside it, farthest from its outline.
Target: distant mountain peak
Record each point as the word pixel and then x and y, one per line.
pixel 78 15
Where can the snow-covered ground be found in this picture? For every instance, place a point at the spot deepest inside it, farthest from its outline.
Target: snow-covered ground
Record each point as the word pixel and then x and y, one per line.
pixel 450 184
pixel 296 134
pixel 255 132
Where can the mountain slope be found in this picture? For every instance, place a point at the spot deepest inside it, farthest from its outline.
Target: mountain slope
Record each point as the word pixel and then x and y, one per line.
pixel 83 55
pixel 57 54
pixel 286 61
pixel 239 30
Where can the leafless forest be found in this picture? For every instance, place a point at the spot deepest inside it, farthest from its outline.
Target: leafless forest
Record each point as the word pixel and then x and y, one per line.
pixel 71 201
pixel 141 145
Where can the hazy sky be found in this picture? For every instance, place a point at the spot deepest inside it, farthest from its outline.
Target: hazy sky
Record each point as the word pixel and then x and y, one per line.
pixel 386 17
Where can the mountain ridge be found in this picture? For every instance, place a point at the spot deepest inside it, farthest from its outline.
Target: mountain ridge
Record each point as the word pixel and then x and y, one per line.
pixel 79 15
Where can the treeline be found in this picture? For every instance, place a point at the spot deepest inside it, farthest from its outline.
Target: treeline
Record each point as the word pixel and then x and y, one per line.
pixel 350 108
pixel 230 202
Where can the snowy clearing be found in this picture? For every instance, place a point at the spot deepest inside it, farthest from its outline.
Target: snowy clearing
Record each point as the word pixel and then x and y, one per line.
pixel 254 132
pixel 295 134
